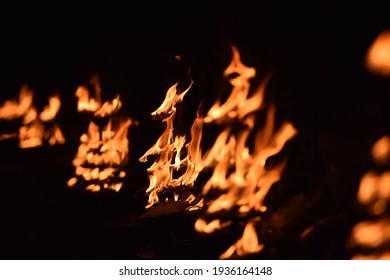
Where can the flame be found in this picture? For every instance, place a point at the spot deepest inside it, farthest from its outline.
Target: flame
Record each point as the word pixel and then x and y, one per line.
pixel 86 103
pixel 247 244
pixel 13 109
pixel 51 110
pixel 378 55
pixel 35 129
pixel 380 151
pixel 374 191
pixel 31 135
pixel 237 104
pixel 371 234
pixel 104 148
pixel 101 156
pixel 169 150
pixel 238 161
pixel 374 195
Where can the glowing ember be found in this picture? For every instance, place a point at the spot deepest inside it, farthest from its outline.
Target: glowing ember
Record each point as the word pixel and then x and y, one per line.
pixel 104 148
pixel 36 128
pixel 239 166
pixel 173 154
pixel 378 55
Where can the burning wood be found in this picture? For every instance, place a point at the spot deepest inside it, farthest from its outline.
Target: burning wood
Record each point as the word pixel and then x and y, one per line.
pixel 178 162
pixel 36 129
pixel 104 148
pixel 240 176
pixel 371 238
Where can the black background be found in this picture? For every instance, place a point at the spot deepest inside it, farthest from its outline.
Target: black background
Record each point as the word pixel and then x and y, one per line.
pixel 316 52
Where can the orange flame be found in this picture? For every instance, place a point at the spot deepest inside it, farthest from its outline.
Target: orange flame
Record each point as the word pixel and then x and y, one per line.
pixel 374 194
pixel 237 105
pixel 101 156
pixel 86 102
pixel 247 244
pixel 240 171
pixel 33 133
pixel 169 149
pixel 13 109
pixel 380 151
pixel 104 148
pixel 51 110
pixel 378 55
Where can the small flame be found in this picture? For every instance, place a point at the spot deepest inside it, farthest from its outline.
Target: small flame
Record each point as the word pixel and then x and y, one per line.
pixel 169 150
pixel 371 234
pixel 100 156
pixel 374 191
pixel 34 131
pixel 13 109
pixel 381 150
pixel 378 55
pixel 247 244
pixel 51 110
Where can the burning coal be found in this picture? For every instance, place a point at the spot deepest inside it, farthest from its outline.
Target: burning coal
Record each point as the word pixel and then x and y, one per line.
pixel 241 178
pixel 104 148
pixel 36 128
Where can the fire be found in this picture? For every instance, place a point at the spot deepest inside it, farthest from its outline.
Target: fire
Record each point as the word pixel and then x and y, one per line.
pixel 36 128
pixel 104 148
pixel 174 155
pixel 247 244
pixel 13 109
pixel 374 195
pixel 378 55
pixel 239 166
pixel 86 103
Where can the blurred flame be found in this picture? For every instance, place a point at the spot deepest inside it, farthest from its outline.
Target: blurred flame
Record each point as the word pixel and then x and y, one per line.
pixel 372 234
pixel 89 99
pixel 34 131
pixel 374 195
pixel 101 155
pixel 171 151
pixel 247 244
pixel 378 55
pixel 381 150
pixel 13 109
pixel 237 105
pixel 51 110
pixel 374 191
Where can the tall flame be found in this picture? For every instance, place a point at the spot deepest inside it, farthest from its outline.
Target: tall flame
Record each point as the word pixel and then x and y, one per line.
pixel 240 171
pixel 169 150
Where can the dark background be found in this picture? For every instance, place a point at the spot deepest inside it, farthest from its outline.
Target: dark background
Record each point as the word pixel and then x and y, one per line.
pixel 316 52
